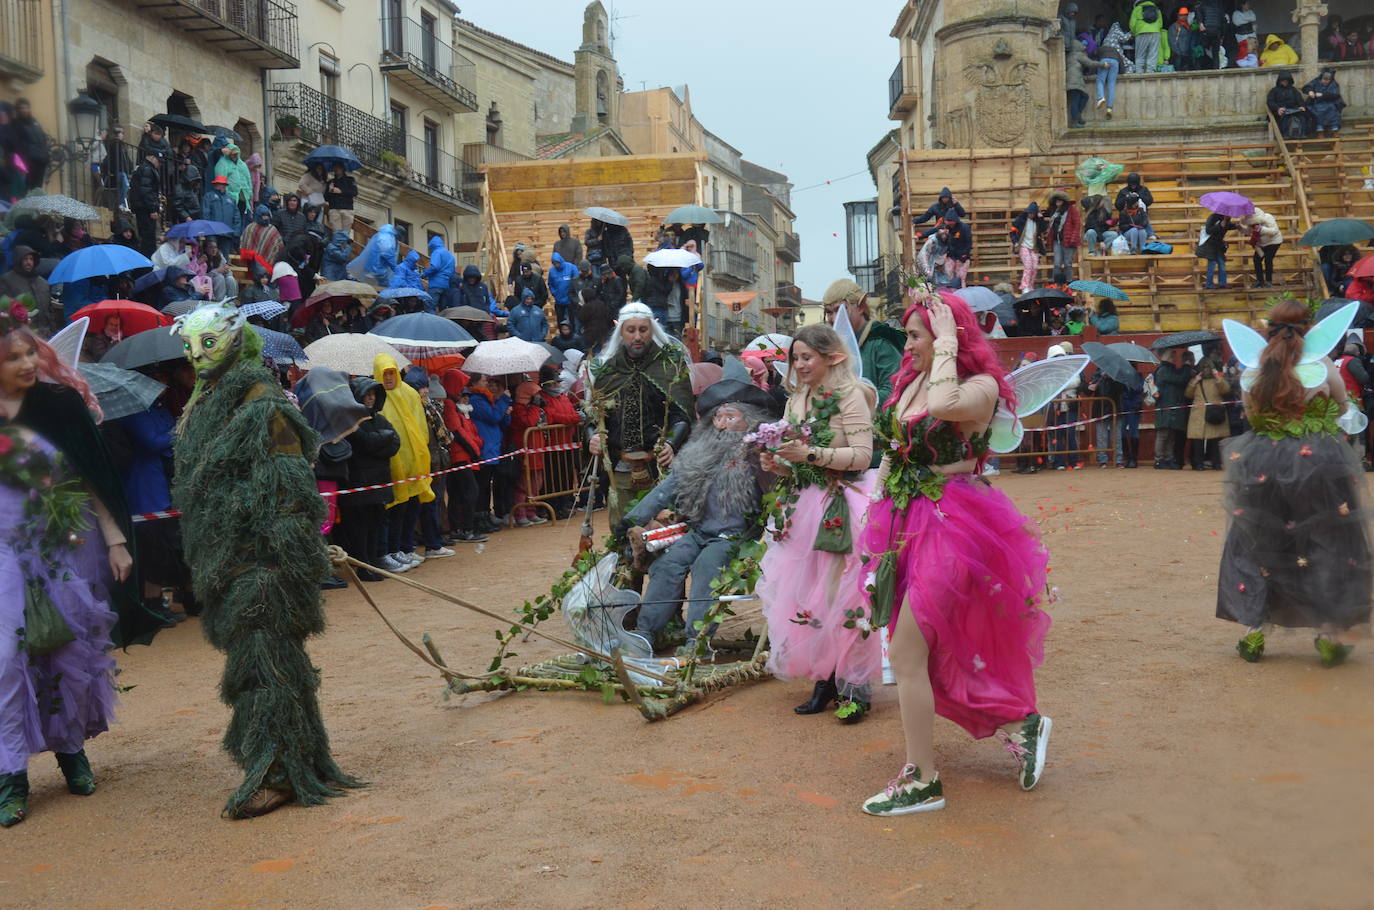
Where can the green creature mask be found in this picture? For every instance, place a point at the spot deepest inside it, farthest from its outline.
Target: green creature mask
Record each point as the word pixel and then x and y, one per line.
pixel 213 335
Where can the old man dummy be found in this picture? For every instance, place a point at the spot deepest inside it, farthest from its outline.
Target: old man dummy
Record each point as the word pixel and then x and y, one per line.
pixel 715 487
pixel 642 388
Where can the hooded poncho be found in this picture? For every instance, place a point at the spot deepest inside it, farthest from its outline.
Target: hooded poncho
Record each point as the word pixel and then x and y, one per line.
pixel 406 413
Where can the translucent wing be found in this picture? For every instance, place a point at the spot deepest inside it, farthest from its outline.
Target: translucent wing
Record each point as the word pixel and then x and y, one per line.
pixel 1322 337
pixel 1246 343
pixel 1353 421
pixel 845 328
pixel 1005 431
pixel 1037 383
pixel 67 343
pixel 1310 374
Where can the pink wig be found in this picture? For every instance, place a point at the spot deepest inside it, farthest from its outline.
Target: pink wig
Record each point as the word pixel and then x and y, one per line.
pixel 51 368
pixel 976 355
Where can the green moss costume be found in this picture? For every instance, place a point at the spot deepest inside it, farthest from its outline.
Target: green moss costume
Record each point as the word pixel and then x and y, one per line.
pixel 251 528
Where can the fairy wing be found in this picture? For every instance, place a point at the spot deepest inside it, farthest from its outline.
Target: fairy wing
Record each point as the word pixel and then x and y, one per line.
pixel 67 343
pixel 1036 385
pixel 1247 345
pixel 1353 421
pixel 1321 339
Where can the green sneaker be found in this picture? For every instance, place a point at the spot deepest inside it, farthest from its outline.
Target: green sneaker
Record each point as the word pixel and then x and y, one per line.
pixel 14 798
pixel 1333 653
pixel 1028 747
pixel 76 768
pixel 907 794
pixel 1251 647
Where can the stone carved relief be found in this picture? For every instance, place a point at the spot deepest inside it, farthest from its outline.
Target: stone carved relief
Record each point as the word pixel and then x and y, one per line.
pixel 1003 107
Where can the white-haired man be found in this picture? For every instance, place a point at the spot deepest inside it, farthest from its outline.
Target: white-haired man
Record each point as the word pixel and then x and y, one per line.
pixel 643 387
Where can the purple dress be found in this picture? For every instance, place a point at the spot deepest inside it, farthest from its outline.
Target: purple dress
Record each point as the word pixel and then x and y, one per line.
pixel 58 701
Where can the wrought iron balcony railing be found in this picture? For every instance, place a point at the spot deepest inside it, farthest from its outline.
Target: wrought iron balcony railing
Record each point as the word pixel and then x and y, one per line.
pixel 788 295
pixel 433 170
pixel 21 54
pixel 262 32
pixel 734 266
pixel 789 247
pixel 901 90
pixel 416 54
pixel 307 113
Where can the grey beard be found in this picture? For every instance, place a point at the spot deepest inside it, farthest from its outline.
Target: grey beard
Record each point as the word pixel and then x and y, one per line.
pixel 715 466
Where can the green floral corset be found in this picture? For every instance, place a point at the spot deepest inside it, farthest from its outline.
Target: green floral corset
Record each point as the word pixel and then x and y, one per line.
pixel 1318 417
pixel 916 448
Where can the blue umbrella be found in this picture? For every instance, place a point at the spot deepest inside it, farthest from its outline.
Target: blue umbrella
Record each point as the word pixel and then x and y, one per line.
pixel 101 259
pixel 423 335
pixel 329 155
pixel 153 278
pixel 1099 289
pixel 405 293
pixel 280 346
pixel 199 228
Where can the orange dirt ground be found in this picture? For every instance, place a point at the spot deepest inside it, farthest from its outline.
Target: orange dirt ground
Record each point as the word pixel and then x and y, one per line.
pixel 1178 776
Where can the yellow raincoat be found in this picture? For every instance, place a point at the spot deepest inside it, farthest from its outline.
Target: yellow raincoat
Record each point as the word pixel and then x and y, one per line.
pixel 407 414
pixel 1277 53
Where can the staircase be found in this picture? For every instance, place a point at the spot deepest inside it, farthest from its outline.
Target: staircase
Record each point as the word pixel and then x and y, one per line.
pixel 1338 173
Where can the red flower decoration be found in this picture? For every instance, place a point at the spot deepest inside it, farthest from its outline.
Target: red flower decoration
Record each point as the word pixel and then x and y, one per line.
pixel 1240 588
pixel 19 313
pixel 1305 451
pixel 6 443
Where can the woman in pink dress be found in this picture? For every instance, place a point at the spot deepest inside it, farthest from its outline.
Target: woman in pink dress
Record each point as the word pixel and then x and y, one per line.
pixel 959 569
pixel 811 571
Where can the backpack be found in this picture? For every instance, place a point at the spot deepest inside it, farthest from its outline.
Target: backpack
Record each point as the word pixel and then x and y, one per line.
pixel 1149 13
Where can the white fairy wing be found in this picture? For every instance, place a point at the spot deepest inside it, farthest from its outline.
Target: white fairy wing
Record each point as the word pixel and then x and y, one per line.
pixel 1005 431
pixel 1036 385
pixel 1353 421
pixel 1246 343
pixel 1322 338
pixel 67 343
pixel 845 329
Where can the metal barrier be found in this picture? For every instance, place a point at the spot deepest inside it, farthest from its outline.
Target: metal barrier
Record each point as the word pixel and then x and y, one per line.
pixel 554 474
pixel 1067 434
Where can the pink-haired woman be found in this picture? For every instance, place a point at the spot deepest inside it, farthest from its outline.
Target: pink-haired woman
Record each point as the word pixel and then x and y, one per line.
pixel 960 570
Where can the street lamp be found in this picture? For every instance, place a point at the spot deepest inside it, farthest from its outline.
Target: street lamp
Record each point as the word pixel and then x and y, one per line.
pixel 86 111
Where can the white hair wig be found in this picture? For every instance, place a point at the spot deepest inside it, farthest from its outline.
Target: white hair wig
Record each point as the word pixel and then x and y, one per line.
pixel 638 310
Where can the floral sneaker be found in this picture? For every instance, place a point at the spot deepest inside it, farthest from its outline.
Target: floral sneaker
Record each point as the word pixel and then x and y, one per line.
pixel 1251 647
pixel 907 794
pixel 1333 653
pixel 1028 747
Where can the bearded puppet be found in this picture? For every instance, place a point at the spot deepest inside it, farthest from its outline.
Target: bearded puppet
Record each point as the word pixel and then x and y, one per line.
pixel 251 518
pixel 716 487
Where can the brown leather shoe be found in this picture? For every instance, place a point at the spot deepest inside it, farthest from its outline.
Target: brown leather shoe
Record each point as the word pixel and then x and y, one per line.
pixel 262 802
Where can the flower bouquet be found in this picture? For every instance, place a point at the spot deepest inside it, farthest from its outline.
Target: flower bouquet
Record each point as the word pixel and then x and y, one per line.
pixel 769 437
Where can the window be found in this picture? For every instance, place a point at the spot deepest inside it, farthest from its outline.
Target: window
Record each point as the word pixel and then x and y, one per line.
pixel 402 230
pixel 394 13
pixel 398 117
pixel 433 234
pixel 429 45
pixel 432 151
pixel 329 75
pixel 730 198
pixel 102 84
pixel 715 193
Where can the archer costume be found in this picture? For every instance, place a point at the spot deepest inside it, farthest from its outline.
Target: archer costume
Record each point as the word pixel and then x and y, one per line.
pixel 251 524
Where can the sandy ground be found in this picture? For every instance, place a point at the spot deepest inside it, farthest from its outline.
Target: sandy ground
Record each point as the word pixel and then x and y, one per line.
pixel 1178 775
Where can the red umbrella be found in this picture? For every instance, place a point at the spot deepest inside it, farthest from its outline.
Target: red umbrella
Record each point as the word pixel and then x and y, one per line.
pixel 134 317
pixel 1364 268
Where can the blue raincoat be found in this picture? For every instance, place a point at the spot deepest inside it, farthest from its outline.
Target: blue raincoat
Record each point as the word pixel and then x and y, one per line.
pixel 378 259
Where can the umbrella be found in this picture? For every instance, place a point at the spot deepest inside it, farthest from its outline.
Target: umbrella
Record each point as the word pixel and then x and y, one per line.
pixel 1114 365
pixel 405 293
pixel 120 392
pixel 509 355
pixel 704 375
pixel 1045 294
pixel 263 309
pixel 344 288
pixel 773 341
pixel 692 214
pixel 1332 304
pixel 180 122
pixel 57 204
pixel 1184 339
pixel 145 349
pixel 187 230
pixel 672 259
pixel 980 299
pixel 1099 289
pixel 134 317
pixel 223 131
pixel 150 280
pixel 1133 352
pixel 610 216
pixel 555 355
pixel 351 353
pixel 1338 231
pixel 469 313
pixel 280 346
pixel 330 155
pixel 422 334
pixel 1227 203
pixel 181 307
pixel 1362 269
pixel 100 259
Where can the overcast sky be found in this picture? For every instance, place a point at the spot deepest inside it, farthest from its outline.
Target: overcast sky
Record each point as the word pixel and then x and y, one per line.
pixel 798 92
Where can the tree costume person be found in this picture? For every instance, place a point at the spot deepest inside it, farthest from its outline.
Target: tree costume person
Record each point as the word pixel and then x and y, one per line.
pixel 251 520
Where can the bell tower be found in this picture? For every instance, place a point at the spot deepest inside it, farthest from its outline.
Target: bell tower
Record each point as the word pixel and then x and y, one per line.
pixel 595 73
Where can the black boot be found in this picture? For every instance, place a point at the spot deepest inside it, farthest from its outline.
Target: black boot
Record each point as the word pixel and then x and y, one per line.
pixel 76 768
pixel 821 697
pixel 14 798
pixel 1132 451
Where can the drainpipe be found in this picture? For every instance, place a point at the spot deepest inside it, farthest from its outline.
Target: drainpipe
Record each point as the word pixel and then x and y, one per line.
pixel 59 27
pixel 267 128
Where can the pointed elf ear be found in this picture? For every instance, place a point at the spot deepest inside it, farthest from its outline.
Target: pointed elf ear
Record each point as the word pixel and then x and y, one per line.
pixel 836 357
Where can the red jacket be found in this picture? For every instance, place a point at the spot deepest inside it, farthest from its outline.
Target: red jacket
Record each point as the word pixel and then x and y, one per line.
pixel 525 413
pixel 467 442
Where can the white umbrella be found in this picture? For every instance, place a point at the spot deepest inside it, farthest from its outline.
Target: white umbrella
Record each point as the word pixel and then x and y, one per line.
pixel 267 309
pixel 769 342
pixel 509 355
pixel 672 259
pixel 352 353
pixel 980 299
pixel 610 216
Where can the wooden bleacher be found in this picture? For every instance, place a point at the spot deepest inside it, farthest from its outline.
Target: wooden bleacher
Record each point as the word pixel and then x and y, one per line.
pixel 1334 172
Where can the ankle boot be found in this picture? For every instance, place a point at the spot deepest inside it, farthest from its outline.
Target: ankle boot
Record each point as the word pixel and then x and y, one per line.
pixel 14 798
pixel 76 768
pixel 821 697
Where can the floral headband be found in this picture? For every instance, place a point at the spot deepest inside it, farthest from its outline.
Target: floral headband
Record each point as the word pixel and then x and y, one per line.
pixel 13 315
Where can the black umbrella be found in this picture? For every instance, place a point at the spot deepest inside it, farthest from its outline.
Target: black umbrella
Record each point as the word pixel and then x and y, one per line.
pixel 1338 231
pixel 1046 294
pixel 1114 365
pixel 1184 339
pixel 146 348
pixel 218 131
pixel 178 121
pixel 1332 304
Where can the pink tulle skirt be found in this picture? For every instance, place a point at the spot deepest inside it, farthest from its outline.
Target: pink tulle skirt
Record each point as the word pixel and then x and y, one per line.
pixel 805 593
pixel 971 570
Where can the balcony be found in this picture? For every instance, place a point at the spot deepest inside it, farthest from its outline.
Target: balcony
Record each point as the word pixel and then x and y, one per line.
pixel 414 55
pixel 21 53
pixel 787 295
pixel 901 91
pixel 789 247
pixel 436 173
pixel 729 267
pixel 259 32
